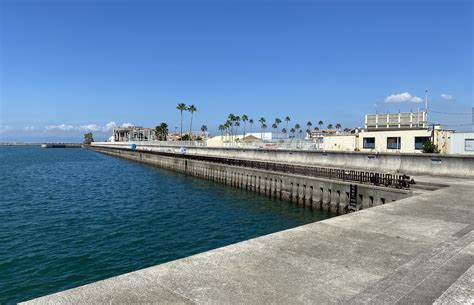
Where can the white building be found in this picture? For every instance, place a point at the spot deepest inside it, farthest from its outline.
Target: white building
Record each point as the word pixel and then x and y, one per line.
pixel 461 143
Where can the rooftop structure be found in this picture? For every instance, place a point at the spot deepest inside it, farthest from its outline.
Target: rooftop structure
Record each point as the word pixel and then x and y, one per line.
pixel 401 120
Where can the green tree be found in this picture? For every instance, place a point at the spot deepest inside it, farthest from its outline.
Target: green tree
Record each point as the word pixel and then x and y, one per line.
pixel 181 107
pixel 320 123
pixel 251 124
pixel 338 126
pixel 284 131
pixel 191 109
pixel 161 131
pixel 309 124
pixel 330 126
pixel 292 131
pixel 88 138
pixel 430 148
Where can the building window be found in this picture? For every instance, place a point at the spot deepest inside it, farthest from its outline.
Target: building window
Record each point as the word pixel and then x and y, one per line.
pixel 469 145
pixel 393 143
pixel 420 141
pixel 369 143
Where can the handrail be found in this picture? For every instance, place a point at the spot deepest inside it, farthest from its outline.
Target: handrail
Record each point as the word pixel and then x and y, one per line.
pixel 399 181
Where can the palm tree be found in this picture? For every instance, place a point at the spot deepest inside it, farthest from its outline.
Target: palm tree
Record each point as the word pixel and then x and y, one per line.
pixel 251 124
pixel 228 125
pixel 277 122
pixel 230 119
pixel 275 126
pixel 203 129
pixel 309 124
pixel 161 131
pixel 308 131
pixel 181 107
pixel 264 126
pixel 245 118
pixel 292 131
pixel 284 131
pixel 287 119
pixel 320 123
pixel 330 126
pixel 262 122
pixel 191 109
pixel 338 126
pixel 297 127
pixel 221 129
pixel 237 124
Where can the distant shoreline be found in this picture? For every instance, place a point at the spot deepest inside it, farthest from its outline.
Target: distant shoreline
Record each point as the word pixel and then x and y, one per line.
pixel 37 144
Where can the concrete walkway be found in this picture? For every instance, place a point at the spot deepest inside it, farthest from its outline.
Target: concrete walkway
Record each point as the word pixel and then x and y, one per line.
pixel 415 250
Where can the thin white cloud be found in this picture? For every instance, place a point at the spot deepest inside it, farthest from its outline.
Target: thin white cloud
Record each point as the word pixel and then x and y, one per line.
pixel 29 128
pixel 404 97
pixel 62 127
pixel 110 125
pixel 447 97
pixel 5 128
pixel 87 127
pixel 90 127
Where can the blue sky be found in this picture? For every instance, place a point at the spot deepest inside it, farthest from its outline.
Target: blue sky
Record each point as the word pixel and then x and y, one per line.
pixel 71 66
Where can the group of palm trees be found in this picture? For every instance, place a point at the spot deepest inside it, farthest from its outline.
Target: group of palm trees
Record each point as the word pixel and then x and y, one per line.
pixel 191 109
pixel 231 126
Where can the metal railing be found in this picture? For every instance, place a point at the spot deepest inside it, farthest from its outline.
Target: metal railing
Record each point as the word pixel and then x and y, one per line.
pixel 399 181
pixel 280 145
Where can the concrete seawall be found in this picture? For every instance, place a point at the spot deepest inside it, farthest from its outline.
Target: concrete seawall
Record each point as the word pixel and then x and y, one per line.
pixel 313 192
pixel 419 164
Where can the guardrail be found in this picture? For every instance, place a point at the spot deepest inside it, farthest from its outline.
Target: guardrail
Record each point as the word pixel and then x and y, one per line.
pixel 399 181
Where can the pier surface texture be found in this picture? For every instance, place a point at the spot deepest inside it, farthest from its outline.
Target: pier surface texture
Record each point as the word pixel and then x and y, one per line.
pixel 418 249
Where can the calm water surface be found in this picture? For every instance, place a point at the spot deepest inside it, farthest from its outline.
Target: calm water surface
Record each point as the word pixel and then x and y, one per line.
pixel 69 217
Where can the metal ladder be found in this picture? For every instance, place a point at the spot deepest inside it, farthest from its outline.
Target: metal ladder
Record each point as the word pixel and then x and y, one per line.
pixel 353 198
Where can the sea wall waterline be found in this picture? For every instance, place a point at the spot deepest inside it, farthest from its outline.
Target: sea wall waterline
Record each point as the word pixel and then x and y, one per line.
pixel 327 194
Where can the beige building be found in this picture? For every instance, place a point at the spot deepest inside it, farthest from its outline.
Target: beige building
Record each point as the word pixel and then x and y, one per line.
pixel 384 140
pixel 340 142
pixel 402 141
pixel 218 141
